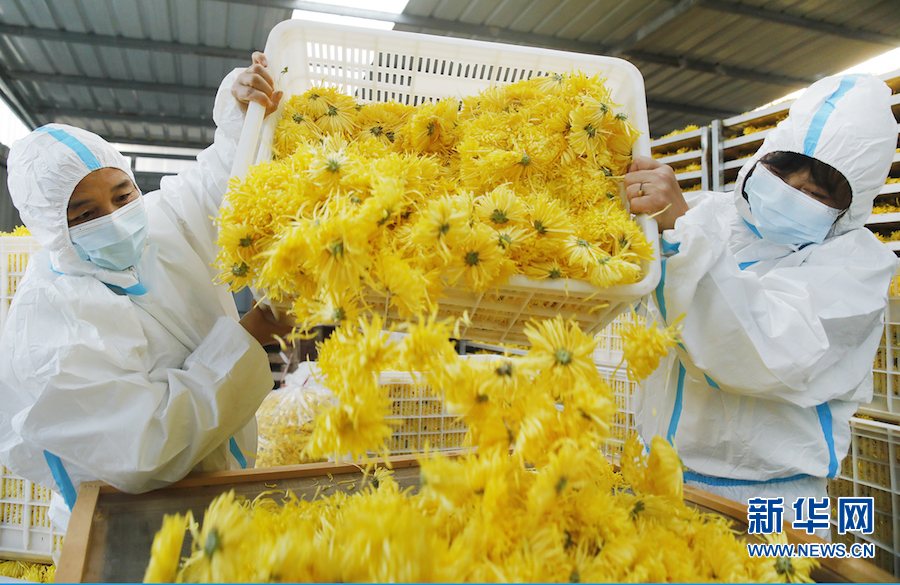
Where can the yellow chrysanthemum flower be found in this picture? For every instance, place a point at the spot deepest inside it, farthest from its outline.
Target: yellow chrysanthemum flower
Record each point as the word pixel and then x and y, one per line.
pixel 644 346
pixel 165 552
pixel 500 208
pixel 560 348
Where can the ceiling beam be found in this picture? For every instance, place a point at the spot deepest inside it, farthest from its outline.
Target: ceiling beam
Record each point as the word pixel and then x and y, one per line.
pixel 135 118
pixel 105 83
pixel 159 155
pixel 707 112
pixel 719 69
pixel 151 142
pixel 15 101
pixel 52 34
pixel 652 26
pixel 801 22
pixel 505 35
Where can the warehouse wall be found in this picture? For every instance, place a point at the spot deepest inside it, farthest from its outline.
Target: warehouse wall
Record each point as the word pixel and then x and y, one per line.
pixel 9 217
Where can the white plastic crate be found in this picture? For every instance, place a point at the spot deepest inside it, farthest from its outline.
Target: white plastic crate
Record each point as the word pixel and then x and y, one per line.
pixel 872 469
pixel 423 417
pixel 886 369
pixel 622 426
pixel 14 254
pixel 26 533
pixel 610 345
pixel 415 69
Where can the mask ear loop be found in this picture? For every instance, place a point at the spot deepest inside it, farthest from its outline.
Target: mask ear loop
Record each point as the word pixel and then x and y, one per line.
pixel 744 184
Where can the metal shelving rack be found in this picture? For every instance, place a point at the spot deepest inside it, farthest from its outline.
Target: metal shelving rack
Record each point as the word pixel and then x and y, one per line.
pixel 887 223
pixel 733 145
pixel 694 145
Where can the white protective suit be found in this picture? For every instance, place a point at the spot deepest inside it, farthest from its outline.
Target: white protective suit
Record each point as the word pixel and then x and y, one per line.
pixel 135 389
pixel 778 341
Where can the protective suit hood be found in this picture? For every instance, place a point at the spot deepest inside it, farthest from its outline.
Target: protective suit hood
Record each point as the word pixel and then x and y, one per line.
pixel 846 122
pixel 44 169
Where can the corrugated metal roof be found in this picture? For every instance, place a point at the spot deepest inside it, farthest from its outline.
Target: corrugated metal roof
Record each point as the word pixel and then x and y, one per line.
pixel 145 71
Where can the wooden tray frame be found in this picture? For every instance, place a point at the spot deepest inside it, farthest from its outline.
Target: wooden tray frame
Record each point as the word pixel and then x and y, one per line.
pixel 81 546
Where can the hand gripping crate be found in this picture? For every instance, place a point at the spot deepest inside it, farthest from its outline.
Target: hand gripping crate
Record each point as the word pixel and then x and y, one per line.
pixel 872 469
pixel 413 69
pixel 14 254
pixel 26 533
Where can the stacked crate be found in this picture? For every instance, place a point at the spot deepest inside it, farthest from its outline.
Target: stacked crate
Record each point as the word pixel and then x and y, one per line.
pixel 26 533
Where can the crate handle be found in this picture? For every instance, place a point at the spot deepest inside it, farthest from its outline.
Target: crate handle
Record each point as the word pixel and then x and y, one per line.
pixel 248 145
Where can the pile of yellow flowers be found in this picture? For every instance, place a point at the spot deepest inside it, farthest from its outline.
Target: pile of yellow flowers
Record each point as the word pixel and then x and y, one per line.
pixel 551 510
pixel 36 572
pixel 404 201
pixel 688 128
pixel 18 231
pixel 885 208
pixel 480 518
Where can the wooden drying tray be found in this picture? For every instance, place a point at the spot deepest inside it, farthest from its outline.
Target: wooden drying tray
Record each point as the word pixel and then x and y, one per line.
pixel 110 532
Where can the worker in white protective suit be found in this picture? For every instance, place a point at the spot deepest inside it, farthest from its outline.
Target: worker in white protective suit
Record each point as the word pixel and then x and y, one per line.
pixel 121 360
pixel 782 290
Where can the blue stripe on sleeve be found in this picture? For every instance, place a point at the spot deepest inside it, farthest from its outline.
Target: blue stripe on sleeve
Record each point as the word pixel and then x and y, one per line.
pixel 668 248
pixel 676 411
pixel 78 147
pixel 825 420
pixel 660 289
pixel 61 477
pixel 237 453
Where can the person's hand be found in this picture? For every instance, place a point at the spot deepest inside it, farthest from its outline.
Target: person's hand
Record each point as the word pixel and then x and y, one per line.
pixel 255 84
pixel 264 326
pixel 652 187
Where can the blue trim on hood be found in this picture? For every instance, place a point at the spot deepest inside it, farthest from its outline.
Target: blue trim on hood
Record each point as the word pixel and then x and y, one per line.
pixel 78 147
pixel 814 132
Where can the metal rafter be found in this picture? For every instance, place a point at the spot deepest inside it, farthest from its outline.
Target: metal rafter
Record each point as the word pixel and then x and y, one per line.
pixel 151 142
pixel 14 100
pixel 492 33
pixel 107 83
pixel 52 34
pixel 708 112
pixel 135 118
pixel 649 28
pixel 210 91
pixel 801 22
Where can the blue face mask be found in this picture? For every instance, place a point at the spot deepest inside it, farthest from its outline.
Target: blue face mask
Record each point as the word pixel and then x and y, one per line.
pixel 114 241
pixel 786 215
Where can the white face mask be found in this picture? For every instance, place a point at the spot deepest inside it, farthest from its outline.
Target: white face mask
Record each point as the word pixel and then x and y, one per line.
pixel 786 215
pixel 114 241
